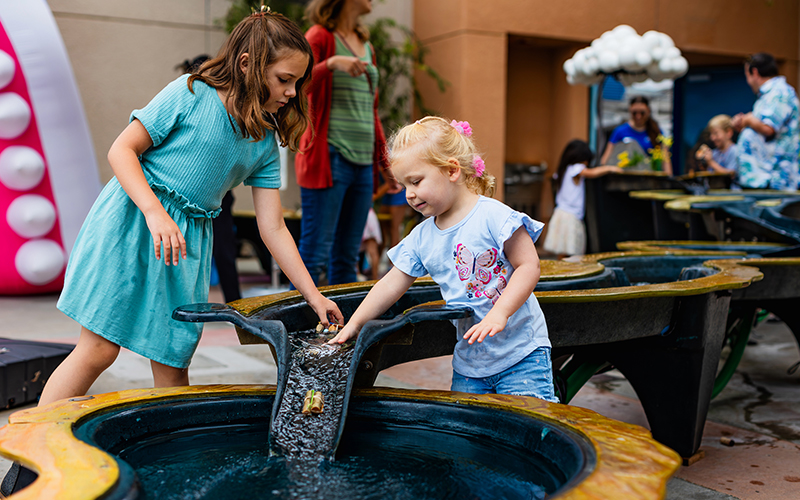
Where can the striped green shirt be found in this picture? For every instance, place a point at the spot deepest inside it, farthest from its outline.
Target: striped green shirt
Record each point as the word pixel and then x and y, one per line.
pixel 351 129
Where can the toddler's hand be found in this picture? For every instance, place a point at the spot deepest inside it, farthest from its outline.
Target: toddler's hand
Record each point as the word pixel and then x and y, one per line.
pixel 488 326
pixel 166 232
pixel 345 334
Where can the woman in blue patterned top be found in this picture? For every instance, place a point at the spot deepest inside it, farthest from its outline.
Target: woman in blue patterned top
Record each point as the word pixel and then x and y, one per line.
pixel 199 137
pixel 479 251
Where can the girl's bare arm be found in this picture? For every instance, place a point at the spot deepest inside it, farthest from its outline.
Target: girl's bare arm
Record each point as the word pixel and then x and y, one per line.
pixel 597 172
pixel 521 254
pixel 384 293
pixel 124 160
pixel 279 241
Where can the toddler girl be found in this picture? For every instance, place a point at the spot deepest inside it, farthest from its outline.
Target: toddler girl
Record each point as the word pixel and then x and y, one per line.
pixel 566 234
pixel 479 251
pixel 198 138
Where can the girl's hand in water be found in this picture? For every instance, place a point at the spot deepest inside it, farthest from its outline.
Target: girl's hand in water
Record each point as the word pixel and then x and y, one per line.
pixel 349 331
pixel 166 232
pixel 327 310
pixel 490 326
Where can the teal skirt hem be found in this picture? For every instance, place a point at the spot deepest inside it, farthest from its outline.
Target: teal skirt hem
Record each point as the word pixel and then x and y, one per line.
pixel 115 287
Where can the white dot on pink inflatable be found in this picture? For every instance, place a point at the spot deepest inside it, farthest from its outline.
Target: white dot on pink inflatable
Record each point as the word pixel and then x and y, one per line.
pixel 7 68
pixel 31 216
pixel 15 115
pixel 21 168
pixel 39 261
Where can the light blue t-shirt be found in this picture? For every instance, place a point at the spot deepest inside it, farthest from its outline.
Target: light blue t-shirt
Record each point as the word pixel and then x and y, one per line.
pixel 468 262
pixel 728 159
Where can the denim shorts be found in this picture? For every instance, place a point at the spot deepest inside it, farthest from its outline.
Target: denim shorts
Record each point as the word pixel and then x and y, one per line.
pixel 533 376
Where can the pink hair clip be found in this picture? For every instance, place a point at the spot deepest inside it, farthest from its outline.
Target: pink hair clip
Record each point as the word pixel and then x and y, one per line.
pixel 462 127
pixel 479 166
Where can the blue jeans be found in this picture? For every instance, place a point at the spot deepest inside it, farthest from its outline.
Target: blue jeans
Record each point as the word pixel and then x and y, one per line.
pixel 334 219
pixel 533 376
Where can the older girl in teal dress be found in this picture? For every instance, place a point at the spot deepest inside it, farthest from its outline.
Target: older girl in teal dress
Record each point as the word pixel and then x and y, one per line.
pixel 199 137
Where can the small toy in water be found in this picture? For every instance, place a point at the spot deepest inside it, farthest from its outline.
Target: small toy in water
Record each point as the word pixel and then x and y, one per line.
pixel 313 403
pixel 332 328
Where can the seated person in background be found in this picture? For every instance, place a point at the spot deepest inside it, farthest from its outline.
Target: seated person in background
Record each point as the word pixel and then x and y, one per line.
pixel 723 158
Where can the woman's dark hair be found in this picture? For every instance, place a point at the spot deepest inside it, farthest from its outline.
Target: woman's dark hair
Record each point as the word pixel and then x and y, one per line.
pixel 764 63
pixel 651 127
pixel 192 65
pixel 267 37
pixel 576 151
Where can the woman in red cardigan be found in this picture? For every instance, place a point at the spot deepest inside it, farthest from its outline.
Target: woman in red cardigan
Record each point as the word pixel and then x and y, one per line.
pixel 341 153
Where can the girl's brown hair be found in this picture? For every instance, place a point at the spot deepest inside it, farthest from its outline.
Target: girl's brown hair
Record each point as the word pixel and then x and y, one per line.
pixel 266 37
pixel 326 13
pixel 435 141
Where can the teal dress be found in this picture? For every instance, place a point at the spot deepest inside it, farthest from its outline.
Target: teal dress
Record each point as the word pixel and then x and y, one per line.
pixel 114 286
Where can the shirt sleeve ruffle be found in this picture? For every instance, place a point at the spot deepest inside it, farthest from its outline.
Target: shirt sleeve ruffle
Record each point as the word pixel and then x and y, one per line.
pixel 405 260
pixel 517 220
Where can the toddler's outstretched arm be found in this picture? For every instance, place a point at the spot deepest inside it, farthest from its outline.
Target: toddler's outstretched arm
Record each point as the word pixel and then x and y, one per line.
pixel 386 292
pixel 521 254
pixel 124 160
pixel 279 241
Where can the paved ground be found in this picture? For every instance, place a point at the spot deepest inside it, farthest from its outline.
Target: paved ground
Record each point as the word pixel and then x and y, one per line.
pixel 759 410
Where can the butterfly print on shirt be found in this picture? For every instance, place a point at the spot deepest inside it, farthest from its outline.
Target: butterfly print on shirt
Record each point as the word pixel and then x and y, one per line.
pixel 478 271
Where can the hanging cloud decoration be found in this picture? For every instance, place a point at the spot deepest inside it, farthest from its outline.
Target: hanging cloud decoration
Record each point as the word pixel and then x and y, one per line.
pixel 629 57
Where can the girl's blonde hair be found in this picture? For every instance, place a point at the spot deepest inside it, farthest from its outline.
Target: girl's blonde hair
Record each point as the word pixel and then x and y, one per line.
pixel 435 141
pixel 266 36
pixel 722 122
pixel 326 13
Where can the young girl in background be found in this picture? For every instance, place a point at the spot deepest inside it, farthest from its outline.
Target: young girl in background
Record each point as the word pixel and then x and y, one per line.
pixel 566 234
pixel 199 137
pixel 724 157
pixel 479 251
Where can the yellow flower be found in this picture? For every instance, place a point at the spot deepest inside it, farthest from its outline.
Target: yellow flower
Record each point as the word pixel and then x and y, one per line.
pixel 666 141
pixel 623 160
pixel 656 153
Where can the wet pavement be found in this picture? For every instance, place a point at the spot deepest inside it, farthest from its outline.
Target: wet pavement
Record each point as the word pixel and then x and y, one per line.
pixel 751 441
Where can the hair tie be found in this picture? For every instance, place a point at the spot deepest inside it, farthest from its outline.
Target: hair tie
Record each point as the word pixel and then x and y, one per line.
pixel 263 10
pixel 462 127
pixel 478 164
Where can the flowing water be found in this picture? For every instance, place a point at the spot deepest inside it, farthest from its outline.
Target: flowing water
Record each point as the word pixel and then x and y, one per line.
pixel 317 366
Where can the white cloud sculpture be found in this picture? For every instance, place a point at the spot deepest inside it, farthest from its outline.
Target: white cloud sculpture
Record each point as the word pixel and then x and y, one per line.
pixel 628 56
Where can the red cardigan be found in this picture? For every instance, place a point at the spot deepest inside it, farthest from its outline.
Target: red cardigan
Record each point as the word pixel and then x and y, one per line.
pixel 312 163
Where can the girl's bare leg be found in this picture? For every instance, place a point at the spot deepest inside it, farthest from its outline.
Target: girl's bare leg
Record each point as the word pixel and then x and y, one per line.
pixel 168 376
pixel 76 374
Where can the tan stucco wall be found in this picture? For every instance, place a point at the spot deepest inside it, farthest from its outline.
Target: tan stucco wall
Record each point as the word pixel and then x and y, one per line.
pixel 526 112
pixel 124 52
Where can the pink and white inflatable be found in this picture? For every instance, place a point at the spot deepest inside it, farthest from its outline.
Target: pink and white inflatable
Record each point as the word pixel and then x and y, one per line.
pixel 48 173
